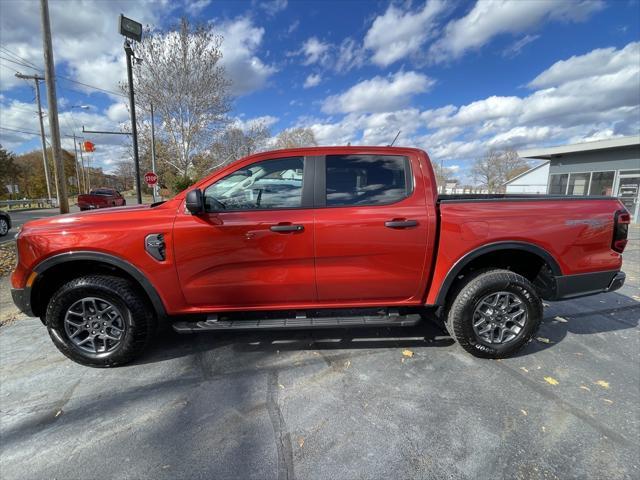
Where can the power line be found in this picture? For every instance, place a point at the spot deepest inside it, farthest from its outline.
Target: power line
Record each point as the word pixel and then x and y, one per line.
pixel 67 79
pixel 15 55
pixel 30 132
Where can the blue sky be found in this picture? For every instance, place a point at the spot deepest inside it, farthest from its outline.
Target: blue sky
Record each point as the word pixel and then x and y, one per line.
pixel 456 77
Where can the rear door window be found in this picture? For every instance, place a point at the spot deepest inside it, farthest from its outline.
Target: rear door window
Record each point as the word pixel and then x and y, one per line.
pixel 366 179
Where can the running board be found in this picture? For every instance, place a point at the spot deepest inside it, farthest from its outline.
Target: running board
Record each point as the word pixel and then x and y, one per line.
pixel 212 323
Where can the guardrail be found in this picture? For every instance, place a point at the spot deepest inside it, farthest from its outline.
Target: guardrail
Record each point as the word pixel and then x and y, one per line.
pixel 29 203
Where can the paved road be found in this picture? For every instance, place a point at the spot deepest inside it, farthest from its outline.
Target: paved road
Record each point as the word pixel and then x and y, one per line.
pixel 335 404
pixel 19 217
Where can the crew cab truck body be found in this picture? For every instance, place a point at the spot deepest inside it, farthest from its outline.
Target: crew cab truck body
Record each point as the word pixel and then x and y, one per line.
pixel 297 238
pixel 101 198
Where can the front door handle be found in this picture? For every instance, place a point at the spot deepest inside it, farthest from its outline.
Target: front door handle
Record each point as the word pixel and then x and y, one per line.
pixel 401 223
pixel 287 228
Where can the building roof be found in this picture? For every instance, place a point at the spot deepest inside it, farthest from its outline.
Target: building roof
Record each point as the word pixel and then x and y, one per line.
pixel 526 172
pixel 611 143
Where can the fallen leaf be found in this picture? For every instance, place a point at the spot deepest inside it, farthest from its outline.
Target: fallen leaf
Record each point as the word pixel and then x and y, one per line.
pixel 578 353
pixel 607 400
pixel 524 412
pixel 301 442
pixel 584 387
pixel 407 353
pixel 545 304
pixel 524 369
pixel 551 380
pixel 164 467
pixel 636 297
pixel 602 383
pixel 543 340
pixel 347 364
pixel 544 429
pixel 561 319
pixel 281 386
pixel 58 413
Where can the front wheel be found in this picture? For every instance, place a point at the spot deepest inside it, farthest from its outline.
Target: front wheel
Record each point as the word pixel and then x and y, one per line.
pixel 99 321
pixel 495 314
pixel 4 227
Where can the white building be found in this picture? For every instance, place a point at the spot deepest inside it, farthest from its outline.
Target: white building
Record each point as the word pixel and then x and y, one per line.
pixel 534 180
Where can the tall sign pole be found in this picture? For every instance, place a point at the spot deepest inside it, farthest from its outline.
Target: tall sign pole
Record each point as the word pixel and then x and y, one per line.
pixel 132 30
pixel 43 143
pixel 75 147
pixel 52 102
pixel 153 154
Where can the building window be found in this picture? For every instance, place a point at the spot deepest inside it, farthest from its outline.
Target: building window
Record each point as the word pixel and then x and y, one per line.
pixel 578 184
pixel 558 184
pixel 602 183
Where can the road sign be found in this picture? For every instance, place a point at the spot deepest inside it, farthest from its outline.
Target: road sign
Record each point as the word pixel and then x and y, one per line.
pixel 150 178
pixel 130 28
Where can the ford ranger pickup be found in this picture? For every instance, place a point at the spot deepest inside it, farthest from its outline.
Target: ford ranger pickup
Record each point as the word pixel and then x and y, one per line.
pixel 319 237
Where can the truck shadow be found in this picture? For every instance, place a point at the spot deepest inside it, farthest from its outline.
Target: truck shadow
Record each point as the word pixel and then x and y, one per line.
pixel 169 344
pixel 557 323
pixel 561 318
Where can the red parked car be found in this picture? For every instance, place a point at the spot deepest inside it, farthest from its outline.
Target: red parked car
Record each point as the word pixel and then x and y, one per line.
pixel 101 198
pixel 316 238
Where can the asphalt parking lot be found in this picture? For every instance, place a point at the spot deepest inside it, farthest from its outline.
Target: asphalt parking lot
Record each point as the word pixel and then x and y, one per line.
pixel 339 404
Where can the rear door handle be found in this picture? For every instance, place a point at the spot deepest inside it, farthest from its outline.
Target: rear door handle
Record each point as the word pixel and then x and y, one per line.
pixel 287 228
pixel 401 223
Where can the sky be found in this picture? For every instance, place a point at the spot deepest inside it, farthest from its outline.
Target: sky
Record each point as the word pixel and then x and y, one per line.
pixel 456 78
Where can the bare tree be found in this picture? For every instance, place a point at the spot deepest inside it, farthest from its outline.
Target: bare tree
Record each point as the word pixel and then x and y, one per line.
pixel 296 137
pixel 181 76
pixel 497 167
pixel 236 142
pixel 443 175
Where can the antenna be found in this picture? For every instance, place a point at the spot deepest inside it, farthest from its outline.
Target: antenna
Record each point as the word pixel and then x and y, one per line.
pixel 394 140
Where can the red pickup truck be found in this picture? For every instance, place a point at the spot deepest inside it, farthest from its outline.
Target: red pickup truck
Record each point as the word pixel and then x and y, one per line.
pixel 101 198
pixel 316 238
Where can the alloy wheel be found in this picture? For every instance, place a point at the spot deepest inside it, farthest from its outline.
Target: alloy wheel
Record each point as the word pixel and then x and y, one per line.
pixel 499 317
pixel 94 325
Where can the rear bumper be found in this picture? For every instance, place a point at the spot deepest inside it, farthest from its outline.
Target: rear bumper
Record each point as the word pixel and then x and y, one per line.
pixel 573 286
pixel 22 299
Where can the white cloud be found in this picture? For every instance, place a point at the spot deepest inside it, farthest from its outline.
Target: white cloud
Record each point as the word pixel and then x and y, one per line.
pixel 239 56
pixel 272 7
pixel 313 80
pixel 602 103
pixel 266 120
pixel 515 48
pixel 315 51
pixel 597 62
pixel 379 93
pixel 118 112
pixel 195 7
pixel 489 18
pixel 350 55
pixel 397 33
pixel 80 34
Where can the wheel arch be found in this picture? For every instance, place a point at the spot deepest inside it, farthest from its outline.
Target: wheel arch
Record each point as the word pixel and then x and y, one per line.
pixel 66 266
pixel 519 250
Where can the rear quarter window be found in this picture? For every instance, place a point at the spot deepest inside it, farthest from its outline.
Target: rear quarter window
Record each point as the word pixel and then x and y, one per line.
pixel 367 179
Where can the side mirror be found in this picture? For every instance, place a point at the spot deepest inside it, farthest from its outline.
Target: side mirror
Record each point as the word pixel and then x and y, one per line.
pixel 195 203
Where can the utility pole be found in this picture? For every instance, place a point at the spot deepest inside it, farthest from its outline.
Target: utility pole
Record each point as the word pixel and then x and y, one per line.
pixel 43 143
pixel 75 147
pixel 134 128
pixel 52 101
pixel 153 153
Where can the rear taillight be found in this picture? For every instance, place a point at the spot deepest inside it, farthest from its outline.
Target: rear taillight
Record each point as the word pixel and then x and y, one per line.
pixel 620 230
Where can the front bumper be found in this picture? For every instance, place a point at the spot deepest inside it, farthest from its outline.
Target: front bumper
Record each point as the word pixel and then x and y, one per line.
pixel 581 285
pixel 22 299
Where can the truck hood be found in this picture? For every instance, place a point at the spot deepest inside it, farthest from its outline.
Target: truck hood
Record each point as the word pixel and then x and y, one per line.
pixel 71 220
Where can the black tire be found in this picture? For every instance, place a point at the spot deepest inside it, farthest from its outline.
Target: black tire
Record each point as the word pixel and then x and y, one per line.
pixel 460 315
pixel 135 314
pixel 4 227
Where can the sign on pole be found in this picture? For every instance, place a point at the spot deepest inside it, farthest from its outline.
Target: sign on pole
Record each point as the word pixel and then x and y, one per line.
pixel 150 178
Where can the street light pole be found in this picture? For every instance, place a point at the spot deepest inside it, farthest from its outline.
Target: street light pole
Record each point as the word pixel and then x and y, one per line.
pixel 134 129
pixel 52 103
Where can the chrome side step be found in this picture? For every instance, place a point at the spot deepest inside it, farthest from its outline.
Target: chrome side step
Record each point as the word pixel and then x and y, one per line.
pixel 300 322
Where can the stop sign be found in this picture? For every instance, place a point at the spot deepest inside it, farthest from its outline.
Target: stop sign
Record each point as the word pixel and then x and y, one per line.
pixel 150 178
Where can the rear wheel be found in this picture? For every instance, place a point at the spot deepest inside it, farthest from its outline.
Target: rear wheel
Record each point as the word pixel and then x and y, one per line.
pixel 4 227
pixel 99 321
pixel 494 314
